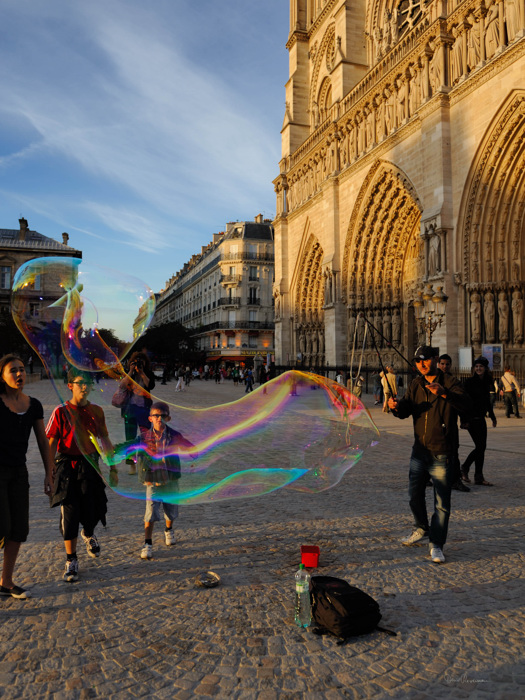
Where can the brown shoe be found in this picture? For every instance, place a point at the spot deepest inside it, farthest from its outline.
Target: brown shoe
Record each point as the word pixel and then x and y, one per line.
pixel 483 482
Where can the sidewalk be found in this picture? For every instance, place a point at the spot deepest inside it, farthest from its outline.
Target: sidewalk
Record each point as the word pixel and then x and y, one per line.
pixel 131 628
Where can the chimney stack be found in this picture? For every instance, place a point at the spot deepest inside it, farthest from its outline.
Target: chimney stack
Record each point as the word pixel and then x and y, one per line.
pixel 259 219
pixel 23 228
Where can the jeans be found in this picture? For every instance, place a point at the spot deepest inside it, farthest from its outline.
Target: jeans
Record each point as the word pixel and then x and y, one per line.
pixel 423 465
pixel 478 432
pixel 510 399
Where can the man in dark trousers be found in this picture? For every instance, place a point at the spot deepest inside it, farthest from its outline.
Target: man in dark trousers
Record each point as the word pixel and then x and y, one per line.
pixel 433 400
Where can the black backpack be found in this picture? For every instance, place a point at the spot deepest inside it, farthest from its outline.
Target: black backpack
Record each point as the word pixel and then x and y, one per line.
pixel 342 610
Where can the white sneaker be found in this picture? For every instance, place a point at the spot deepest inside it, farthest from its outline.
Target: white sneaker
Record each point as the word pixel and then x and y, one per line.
pixel 169 536
pixel 437 556
pixel 418 534
pixel 71 572
pixel 146 552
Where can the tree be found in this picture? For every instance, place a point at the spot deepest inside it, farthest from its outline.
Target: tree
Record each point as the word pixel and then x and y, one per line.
pixel 170 342
pixel 11 340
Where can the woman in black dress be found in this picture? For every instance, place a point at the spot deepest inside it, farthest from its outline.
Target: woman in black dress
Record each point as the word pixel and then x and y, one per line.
pixel 478 387
pixel 19 414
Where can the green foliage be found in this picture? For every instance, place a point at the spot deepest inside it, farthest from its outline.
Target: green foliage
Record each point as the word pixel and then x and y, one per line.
pixel 11 340
pixel 170 342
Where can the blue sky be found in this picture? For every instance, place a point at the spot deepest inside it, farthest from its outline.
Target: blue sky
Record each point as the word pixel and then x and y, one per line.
pixel 140 128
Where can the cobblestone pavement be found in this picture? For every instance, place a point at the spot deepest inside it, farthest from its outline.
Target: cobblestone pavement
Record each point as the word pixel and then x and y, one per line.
pixel 131 628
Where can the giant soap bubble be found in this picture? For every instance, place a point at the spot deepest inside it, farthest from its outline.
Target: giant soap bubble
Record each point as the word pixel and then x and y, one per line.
pixel 299 431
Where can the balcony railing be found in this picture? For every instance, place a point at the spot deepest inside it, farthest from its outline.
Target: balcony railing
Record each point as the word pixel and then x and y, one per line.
pixel 235 325
pixel 229 301
pixel 231 279
pixel 245 255
pixel 252 301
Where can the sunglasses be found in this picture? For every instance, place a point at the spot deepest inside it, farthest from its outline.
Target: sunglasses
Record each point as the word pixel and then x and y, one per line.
pixel 83 383
pixel 159 415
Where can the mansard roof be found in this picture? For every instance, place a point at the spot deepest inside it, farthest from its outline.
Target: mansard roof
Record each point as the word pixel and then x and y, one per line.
pixel 34 241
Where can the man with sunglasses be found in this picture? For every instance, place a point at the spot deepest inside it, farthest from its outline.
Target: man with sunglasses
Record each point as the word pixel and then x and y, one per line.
pixel 434 400
pixel 77 432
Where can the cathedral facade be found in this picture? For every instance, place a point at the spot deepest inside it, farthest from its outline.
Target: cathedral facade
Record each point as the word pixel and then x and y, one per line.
pixel 402 176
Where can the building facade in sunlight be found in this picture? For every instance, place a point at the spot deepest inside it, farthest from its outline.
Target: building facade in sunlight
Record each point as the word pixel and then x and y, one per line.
pixel 224 294
pixel 17 246
pixel 402 180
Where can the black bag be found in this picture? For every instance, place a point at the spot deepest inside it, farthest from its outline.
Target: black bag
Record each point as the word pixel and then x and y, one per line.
pixel 342 610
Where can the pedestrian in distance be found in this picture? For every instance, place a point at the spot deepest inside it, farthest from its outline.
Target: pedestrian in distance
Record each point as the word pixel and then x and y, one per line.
pixel 19 414
pixel 445 365
pixel 478 388
pixel 139 382
pixel 510 390
pixel 249 381
pixel 434 400
pixel 78 486
pixel 159 471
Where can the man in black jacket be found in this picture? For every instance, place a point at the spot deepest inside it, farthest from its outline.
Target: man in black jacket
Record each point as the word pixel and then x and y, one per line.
pixel 433 400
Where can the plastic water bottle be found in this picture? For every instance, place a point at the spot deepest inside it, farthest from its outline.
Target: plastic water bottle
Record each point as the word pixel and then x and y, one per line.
pixel 303 611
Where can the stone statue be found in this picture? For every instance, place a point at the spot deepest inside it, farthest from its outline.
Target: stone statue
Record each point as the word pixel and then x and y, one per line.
pixel 492 30
pixel 434 255
pixel 360 330
pixel 503 316
pixel 321 343
pixel 475 317
pixel 387 326
pixel 473 43
pixel 396 328
pixel 314 342
pixel 517 315
pixel 512 19
pixel 302 341
pixel 351 329
pixel 489 315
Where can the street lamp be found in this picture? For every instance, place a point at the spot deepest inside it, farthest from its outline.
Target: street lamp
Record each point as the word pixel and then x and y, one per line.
pixel 430 309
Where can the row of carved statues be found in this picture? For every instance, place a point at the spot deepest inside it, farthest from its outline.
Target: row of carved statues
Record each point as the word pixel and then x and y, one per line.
pixel 443 62
pixel 496 316
pixel 385 327
pixel 310 344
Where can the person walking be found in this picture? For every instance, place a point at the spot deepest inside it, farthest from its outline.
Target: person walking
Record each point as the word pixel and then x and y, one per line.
pixel 433 400
pixel 389 382
pixel 478 388
pixel 445 364
pixel 77 433
pixel 510 390
pixel 19 414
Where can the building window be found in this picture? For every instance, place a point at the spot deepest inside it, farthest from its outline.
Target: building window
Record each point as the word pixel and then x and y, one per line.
pixel 252 341
pixel 34 309
pixel 5 277
pixel 252 315
pixel 232 270
pixel 253 274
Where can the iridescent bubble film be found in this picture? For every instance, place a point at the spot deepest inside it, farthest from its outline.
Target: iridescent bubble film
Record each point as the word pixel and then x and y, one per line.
pixel 299 431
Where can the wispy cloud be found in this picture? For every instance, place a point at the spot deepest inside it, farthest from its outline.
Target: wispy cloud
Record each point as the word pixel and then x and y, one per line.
pixel 106 88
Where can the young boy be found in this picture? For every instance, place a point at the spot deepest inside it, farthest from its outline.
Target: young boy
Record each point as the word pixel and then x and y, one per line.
pixel 79 490
pixel 159 468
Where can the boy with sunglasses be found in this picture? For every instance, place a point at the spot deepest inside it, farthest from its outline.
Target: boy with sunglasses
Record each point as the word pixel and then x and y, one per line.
pixel 159 470
pixel 77 432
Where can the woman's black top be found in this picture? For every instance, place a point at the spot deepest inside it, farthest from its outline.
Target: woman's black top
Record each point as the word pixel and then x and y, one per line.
pixel 15 430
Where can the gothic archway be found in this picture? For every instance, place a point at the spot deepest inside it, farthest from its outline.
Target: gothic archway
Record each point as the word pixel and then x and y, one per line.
pixel 383 262
pixel 492 230
pixel 308 305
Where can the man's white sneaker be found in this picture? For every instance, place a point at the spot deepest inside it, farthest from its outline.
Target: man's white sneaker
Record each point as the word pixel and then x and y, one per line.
pixel 146 552
pixel 437 556
pixel 418 534
pixel 169 536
